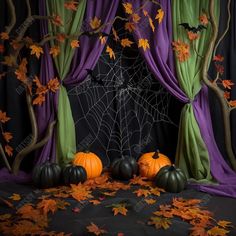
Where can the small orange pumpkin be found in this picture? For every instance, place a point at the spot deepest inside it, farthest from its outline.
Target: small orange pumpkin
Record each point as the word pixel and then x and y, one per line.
pixel 150 163
pixel 91 163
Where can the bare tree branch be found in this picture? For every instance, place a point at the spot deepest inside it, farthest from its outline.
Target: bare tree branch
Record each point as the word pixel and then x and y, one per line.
pixel 2 153
pixel 12 11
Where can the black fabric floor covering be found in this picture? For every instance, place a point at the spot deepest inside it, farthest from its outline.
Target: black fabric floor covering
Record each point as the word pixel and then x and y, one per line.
pixel 134 224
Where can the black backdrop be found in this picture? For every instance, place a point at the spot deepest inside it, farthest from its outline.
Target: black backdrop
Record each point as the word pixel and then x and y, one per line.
pixel 12 99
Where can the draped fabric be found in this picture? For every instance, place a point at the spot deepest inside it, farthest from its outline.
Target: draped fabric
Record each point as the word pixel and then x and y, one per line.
pixel 71 25
pixel 201 158
pixel 47 112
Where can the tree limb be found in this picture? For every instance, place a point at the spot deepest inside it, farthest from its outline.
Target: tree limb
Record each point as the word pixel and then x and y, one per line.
pixel 219 93
pixel 12 23
pixel 2 153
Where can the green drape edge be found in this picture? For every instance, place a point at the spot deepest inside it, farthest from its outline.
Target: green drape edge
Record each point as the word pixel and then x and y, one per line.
pixel 72 22
pixel 192 154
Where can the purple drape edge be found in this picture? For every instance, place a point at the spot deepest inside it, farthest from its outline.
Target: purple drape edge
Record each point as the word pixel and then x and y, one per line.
pixel 160 62
pixel 91 48
pixel 46 113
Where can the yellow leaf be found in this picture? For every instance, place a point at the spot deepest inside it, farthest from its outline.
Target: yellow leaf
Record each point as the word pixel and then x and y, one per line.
pixel 74 43
pixel 136 18
pixel 15 197
pixel 129 26
pixel 54 51
pixel 144 44
pixel 95 23
pixel 160 15
pixel 151 24
pixel 36 50
pixel 128 8
pixel 111 52
pixel 7 136
pixel 126 42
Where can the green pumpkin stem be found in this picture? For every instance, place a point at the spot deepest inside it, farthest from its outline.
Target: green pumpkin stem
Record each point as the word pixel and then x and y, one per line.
pixel 156 154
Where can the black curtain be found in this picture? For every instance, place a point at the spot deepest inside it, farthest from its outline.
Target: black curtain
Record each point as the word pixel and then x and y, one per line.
pixel 12 94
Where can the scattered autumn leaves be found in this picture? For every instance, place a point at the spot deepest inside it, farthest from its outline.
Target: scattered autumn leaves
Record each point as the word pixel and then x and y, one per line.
pixel 35 217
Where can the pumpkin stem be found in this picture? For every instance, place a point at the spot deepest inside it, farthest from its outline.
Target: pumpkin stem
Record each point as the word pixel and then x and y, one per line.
pixel 156 154
pixel 172 168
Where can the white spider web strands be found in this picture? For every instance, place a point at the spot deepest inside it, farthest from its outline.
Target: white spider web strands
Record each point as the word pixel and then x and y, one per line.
pixel 119 117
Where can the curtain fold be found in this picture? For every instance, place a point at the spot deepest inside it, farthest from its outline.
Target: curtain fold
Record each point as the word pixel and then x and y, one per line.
pixel 200 159
pixel 71 25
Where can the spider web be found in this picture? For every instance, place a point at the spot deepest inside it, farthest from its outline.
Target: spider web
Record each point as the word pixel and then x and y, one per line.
pixel 119 117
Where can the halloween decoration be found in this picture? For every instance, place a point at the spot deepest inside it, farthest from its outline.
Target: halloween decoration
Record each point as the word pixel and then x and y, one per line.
pixel 150 163
pixel 171 179
pixel 124 168
pixel 47 175
pixel 91 163
pixel 74 174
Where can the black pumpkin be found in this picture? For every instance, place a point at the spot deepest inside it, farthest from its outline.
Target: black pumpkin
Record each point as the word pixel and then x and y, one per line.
pixel 74 174
pixel 124 168
pixel 47 175
pixel 171 179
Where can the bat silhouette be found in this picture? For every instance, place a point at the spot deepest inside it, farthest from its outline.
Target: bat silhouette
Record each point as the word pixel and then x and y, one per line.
pixel 199 28
pixel 94 77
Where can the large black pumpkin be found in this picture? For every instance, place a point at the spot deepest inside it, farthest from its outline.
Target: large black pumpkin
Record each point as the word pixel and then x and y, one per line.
pixel 47 175
pixel 171 179
pixel 124 168
pixel 74 174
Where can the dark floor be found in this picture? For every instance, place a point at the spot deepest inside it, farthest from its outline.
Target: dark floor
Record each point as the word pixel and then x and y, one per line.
pixel 134 224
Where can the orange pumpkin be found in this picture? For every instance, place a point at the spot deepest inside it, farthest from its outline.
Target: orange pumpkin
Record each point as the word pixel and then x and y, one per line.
pixel 91 163
pixel 150 163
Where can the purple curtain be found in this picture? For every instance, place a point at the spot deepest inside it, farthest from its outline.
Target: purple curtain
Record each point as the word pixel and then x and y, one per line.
pixel 46 113
pixel 160 61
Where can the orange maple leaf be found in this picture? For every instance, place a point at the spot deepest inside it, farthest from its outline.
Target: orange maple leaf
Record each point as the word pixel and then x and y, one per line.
pixel 218 57
pixel 56 20
pixel 145 13
pixel 126 42
pixel 160 16
pixel 1 48
pixel 136 18
pixel 159 222
pixel 111 52
pixel 22 70
pixel 198 231
pixel 9 60
pixel 192 36
pixel 150 201
pixel 139 180
pixel 203 19
pixel 227 83
pixel 41 89
pixel 224 223
pixel 71 5
pixel 54 51
pixel 129 26
pixel 15 197
pixel 74 43
pixel 15 44
pixel 9 150
pixel 95 23
pixel 53 84
pixel 102 39
pixel 128 7
pixel 95 202
pixel 7 136
pixel 151 24
pixel 80 192
pixel 47 205
pixel 36 50
pixel 116 37
pixel 4 35
pixel 216 231
pixel 143 43
pixel 119 209
pixel 232 103
pixel 3 117
pixel 60 37
pixel 182 50
pixel 93 228
pixel 39 100
pixel 142 192
pixel 227 95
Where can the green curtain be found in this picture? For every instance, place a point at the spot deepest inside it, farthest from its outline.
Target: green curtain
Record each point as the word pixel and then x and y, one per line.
pixel 72 21
pixel 192 155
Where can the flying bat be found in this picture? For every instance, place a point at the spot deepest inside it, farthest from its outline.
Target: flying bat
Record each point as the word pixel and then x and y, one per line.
pixel 94 77
pixel 199 28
